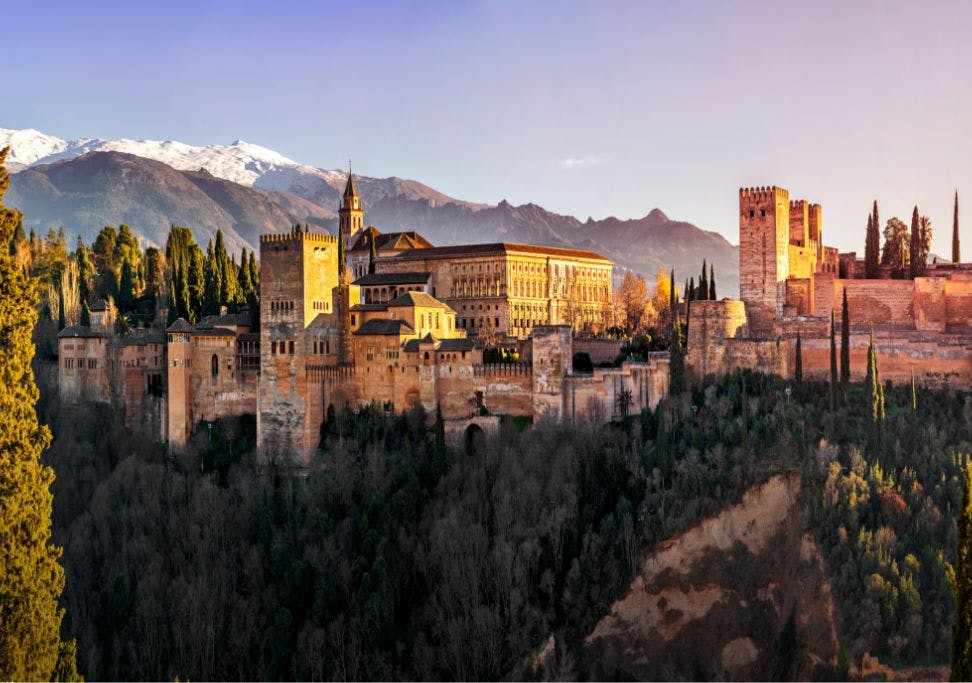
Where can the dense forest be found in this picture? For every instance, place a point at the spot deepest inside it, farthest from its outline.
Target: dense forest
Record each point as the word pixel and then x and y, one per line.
pixel 402 555
pixel 134 283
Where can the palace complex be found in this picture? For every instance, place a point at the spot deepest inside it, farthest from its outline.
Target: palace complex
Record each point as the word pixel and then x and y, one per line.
pixel 391 320
pixel 790 284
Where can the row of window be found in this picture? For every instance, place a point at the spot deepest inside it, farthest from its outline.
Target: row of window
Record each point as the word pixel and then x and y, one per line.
pixel 321 306
pixel 322 347
pixel 282 347
pixel 69 363
pixel 281 306
pixel 470 323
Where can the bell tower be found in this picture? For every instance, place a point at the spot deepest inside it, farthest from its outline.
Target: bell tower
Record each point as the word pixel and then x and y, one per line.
pixel 351 213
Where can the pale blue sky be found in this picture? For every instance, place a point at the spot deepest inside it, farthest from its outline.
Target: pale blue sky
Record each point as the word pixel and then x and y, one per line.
pixel 586 108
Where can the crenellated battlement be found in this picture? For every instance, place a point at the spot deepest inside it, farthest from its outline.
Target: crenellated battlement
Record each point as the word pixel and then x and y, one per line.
pixel 798 204
pixel 762 193
pixel 297 237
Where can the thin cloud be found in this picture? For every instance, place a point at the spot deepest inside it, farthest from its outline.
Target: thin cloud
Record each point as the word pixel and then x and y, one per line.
pixel 583 162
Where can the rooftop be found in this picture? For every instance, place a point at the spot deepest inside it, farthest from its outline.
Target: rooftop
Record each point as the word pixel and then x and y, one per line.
pixel 384 326
pixel 413 278
pixel 415 299
pixel 501 248
pixel 81 331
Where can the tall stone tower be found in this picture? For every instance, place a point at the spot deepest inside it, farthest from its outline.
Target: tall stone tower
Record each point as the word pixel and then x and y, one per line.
pixel 764 237
pixel 298 273
pixel 179 382
pixel 351 213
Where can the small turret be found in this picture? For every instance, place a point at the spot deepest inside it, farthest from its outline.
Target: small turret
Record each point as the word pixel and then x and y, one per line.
pixel 351 213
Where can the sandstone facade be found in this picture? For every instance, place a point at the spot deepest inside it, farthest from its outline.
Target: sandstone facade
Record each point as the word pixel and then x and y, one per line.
pixel 410 334
pixel 790 285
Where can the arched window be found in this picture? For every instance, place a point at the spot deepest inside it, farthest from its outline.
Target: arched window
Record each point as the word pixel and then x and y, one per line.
pixel 215 364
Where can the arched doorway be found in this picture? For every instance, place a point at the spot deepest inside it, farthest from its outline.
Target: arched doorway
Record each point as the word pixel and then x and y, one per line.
pixel 474 440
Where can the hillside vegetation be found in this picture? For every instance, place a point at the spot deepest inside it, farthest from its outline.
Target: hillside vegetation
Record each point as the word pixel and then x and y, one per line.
pixel 399 555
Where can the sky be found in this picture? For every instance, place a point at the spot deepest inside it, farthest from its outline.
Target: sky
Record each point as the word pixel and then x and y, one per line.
pixel 586 108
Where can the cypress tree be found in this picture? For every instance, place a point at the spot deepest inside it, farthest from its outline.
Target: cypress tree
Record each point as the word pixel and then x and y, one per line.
pixel 798 369
pixel 690 290
pixel 85 270
pixel 126 289
pixel 916 247
pixel 31 579
pixel 195 284
pixel 712 289
pixel 961 658
pixel 372 253
pixel 703 293
pixel 341 256
pixel 212 283
pixel 61 318
pixel 956 252
pixel 85 317
pixel 254 273
pixel 676 359
pixel 872 245
pixel 876 392
pixel 672 296
pixel 833 363
pixel 844 345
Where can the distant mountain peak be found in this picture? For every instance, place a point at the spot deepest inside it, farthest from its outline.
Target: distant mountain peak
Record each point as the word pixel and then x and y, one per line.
pixel 658 216
pixel 246 190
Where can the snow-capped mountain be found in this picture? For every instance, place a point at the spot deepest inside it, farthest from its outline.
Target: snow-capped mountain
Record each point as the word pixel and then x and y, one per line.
pixel 246 190
pixel 240 162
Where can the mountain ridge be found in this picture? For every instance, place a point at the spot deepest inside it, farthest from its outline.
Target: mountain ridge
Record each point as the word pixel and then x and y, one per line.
pixel 87 183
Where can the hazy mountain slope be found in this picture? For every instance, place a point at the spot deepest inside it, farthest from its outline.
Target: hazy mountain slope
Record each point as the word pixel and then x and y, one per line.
pixel 246 190
pixel 641 245
pixel 109 188
pixel 240 162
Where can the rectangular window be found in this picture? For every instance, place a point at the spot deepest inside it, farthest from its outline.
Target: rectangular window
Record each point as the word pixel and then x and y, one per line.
pixel 273 347
pixel 371 353
pixel 291 348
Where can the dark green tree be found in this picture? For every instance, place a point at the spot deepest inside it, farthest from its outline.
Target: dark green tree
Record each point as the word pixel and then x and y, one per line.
pixel 673 294
pixel 31 579
pixel 372 253
pixel 212 277
pixel 85 316
pixel 196 284
pixel 703 292
pixel 254 273
pixel 61 317
pixel 876 396
pixel 956 251
pixel 676 358
pixel 844 344
pixel 961 657
pixel 86 270
pixel 872 245
pixel 833 363
pixel 247 290
pixel 126 288
pixel 690 289
pixel 712 289
pixel 915 264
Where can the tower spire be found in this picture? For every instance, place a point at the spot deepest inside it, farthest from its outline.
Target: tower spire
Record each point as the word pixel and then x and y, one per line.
pixel 351 213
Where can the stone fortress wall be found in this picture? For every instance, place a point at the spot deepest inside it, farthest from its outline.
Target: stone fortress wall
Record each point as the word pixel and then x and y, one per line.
pixel 921 325
pixel 321 342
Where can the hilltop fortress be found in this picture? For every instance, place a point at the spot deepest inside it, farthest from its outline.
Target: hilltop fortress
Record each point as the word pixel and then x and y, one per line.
pixel 790 283
pixel 365 317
